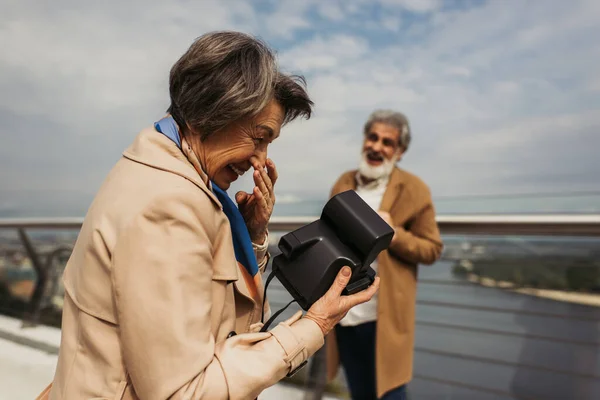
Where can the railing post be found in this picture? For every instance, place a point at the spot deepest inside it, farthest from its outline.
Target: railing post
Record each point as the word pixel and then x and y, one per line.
pixel 317 376
pixel 32 314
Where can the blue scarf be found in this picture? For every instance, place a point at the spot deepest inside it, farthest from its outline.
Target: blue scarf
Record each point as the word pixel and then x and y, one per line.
pixel 242 244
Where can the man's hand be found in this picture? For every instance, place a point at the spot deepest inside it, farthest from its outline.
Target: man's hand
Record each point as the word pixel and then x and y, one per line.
pixel 388 219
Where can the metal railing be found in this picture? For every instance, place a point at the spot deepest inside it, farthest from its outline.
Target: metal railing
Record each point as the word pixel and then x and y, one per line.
pixel 550 224
pixel 451 310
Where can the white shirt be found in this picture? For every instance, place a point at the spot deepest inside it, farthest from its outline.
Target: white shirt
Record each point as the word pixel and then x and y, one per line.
pixel 371 193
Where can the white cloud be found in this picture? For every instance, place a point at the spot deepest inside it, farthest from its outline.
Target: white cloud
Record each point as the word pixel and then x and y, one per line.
pixel 515 136
pixel 420 6
pixel 107 60
pixel 319 53
pixel 391 23
pixel 502 96
pixel 471 89
pixel 331 10
pixel 288 17
pixel 594 85
pixel 506 87
pixel 458 71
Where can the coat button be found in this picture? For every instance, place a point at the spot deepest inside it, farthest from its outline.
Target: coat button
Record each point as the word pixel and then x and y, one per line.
pixel 232 333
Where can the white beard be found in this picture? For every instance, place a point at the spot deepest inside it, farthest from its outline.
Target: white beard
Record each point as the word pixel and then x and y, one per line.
pixel 371 172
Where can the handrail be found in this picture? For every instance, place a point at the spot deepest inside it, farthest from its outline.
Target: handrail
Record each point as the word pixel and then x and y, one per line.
pixel 42 223
pixel 494 224
pixel 542 224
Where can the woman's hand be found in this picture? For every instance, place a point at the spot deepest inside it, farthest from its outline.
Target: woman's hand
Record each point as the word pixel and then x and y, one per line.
pixel 388 219
pixel 257 207
pixel 332 307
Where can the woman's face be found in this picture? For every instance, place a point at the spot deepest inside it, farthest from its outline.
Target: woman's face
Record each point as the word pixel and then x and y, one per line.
pixel 229 153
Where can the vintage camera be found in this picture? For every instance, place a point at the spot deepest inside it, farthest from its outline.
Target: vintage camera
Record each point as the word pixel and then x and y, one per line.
pixel 349 232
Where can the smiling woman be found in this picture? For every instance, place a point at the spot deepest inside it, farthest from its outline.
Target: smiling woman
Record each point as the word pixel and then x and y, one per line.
pixel 163 290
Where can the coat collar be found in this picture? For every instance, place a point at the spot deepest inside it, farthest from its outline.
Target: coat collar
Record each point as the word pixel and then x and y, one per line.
pixel 154 149
pixel 392 192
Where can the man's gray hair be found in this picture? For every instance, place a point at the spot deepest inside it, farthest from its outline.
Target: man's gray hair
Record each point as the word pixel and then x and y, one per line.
pixel 225 76
pixel 392 118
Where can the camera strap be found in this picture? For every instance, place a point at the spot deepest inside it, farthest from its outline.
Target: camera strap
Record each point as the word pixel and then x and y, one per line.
pixel 276 314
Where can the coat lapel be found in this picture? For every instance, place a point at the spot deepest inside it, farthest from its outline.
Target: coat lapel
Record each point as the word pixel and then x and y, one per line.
pixel 348 182
pixel 392 192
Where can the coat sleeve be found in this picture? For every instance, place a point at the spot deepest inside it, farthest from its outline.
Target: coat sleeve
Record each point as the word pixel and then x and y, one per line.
pixel 420 241
pixel 261 252
pixel 162 277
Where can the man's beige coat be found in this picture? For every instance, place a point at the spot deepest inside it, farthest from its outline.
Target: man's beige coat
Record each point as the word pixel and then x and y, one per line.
pixel 153 293
pixel 417 241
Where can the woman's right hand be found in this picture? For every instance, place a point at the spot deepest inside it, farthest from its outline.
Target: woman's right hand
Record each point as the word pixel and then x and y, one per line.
pixel 332 307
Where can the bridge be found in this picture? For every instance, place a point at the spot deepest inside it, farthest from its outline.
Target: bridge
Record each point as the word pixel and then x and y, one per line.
pixel 511 311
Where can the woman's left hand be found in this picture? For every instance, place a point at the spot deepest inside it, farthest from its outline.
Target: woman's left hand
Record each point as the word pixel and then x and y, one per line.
pixel 257 207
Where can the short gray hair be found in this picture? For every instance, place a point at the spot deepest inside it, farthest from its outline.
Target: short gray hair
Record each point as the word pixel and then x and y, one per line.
pixel 225 76
pixel 392 118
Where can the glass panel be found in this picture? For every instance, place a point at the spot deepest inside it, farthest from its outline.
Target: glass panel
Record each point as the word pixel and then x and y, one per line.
pixel 18 276
pixel 501 317
pixel 497 316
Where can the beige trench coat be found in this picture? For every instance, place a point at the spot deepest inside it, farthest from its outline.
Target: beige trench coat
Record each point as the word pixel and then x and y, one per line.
pixel 152 293
pixel 417 241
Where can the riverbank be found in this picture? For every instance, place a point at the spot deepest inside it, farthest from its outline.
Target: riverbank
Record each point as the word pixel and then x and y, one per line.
pixel 588 299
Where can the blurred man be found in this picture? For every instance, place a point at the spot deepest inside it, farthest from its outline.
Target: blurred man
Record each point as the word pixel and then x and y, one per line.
pixel 374 342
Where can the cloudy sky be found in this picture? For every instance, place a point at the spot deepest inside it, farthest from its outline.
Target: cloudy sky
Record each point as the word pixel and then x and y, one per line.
pixel 503 95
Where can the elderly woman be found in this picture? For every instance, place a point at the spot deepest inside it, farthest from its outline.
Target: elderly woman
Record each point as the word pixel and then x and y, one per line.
pixel 164 289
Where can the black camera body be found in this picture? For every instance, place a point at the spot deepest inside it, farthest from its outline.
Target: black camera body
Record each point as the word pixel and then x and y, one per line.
pixel 348 233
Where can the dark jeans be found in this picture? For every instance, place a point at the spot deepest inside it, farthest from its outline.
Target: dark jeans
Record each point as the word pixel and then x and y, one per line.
pixel 356 345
